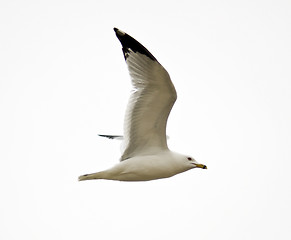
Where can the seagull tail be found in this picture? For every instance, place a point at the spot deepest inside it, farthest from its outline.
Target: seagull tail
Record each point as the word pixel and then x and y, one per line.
pixel 97 175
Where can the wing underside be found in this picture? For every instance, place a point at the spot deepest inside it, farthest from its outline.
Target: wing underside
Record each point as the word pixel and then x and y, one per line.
pixel 150 103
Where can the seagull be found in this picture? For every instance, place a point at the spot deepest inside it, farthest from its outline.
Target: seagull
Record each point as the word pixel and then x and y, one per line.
pixel 145 153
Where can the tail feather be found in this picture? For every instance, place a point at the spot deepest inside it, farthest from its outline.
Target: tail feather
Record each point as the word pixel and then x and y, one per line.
pixel 86 177
pixel 97 175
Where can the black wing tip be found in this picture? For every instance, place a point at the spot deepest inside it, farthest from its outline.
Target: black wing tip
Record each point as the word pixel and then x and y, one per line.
pixel 111 136
pixel 119 32
pixel 129 42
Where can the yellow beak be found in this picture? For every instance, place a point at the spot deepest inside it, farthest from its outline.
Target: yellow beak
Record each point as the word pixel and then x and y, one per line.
pixel 201 166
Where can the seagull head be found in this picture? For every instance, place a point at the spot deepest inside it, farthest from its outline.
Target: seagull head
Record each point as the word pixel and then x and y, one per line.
pixel 193 163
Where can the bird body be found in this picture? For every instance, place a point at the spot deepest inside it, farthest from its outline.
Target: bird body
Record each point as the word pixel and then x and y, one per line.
pixel 145 153
pixel 144 168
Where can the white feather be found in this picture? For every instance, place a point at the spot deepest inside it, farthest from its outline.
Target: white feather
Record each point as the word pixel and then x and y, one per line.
pixel 150 103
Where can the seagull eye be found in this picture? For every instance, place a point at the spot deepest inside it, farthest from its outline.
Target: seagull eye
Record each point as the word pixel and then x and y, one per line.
pixel 189 158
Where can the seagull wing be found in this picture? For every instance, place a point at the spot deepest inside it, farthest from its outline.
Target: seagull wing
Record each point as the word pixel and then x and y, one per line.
pixel 150 103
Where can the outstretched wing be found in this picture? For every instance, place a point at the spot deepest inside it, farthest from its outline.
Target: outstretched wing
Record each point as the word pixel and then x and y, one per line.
pixel 150 103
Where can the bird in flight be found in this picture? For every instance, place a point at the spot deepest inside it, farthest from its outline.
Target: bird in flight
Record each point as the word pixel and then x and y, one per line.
pixel 145 153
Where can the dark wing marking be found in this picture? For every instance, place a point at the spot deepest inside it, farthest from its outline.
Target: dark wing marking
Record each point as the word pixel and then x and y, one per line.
pixel 129 42
pixel 118 137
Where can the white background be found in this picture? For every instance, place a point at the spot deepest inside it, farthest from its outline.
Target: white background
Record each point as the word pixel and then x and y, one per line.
pixel 63 80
